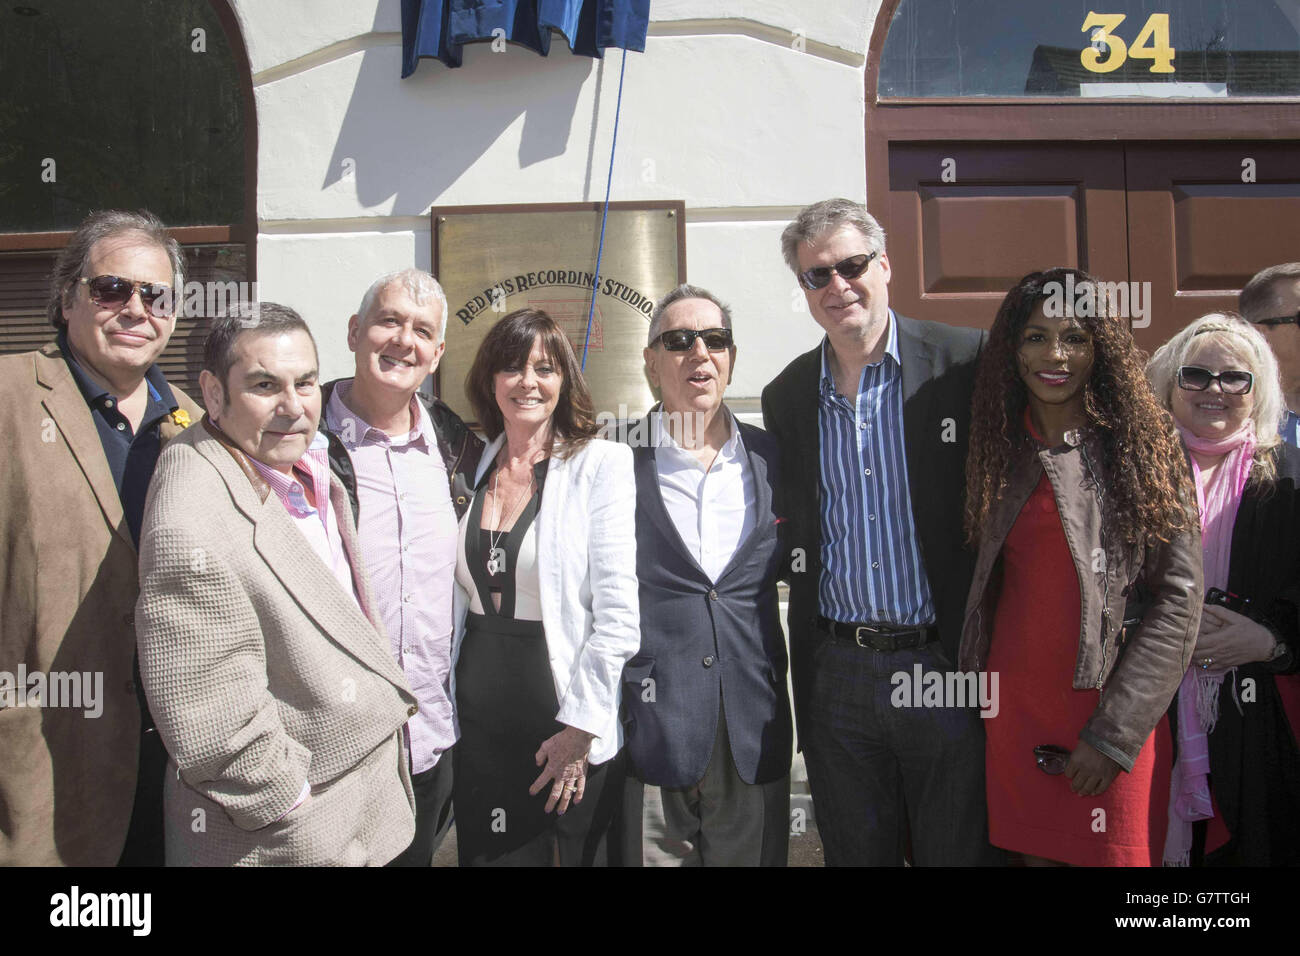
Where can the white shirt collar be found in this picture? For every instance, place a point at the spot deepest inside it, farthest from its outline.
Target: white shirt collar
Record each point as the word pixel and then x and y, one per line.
pixel 664 438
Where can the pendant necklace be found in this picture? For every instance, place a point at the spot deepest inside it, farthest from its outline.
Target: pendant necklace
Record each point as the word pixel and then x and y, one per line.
pixel 497 555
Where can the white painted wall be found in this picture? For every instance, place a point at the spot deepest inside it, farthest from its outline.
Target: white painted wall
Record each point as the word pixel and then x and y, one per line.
pixel 744 109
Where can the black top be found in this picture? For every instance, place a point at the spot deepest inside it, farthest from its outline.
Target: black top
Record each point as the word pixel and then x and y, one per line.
pixel 1254 758
pixel 131 455
pixel 493 570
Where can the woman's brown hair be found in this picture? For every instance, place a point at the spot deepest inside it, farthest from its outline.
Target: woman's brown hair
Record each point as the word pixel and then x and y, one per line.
pixel 508 344
pixel 1147 485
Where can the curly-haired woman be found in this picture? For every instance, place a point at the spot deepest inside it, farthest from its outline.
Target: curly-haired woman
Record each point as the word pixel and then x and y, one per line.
pixel 1077 498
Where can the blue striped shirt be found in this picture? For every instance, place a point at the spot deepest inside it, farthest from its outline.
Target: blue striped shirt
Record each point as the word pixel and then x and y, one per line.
pixel 871 558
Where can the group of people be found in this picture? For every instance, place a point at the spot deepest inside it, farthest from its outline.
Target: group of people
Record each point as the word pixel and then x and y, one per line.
pixel 330 618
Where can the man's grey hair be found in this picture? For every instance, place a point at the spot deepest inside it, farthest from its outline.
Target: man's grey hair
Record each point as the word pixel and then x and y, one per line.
pixel 419 285
pixel 248 318
pixel 826 216
pixel 1245 342
pixel 1256 300
pixel 74 259
pixel 683 291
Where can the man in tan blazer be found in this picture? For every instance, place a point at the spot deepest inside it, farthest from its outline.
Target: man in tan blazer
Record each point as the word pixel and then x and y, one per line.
pixel 267 671
pixel 83 420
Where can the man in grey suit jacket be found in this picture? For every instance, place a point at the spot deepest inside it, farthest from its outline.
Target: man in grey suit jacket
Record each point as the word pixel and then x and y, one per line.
pixel 708 718
pixel 268 673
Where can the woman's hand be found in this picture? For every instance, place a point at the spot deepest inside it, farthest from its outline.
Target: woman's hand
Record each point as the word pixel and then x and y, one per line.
pixel 1090 771
pixel 1228 639
pixel 563 759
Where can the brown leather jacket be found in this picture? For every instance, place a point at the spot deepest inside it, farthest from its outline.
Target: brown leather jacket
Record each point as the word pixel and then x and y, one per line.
pixel 1138 670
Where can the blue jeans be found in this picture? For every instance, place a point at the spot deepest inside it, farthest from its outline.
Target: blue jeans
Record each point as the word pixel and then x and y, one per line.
pixel 873 766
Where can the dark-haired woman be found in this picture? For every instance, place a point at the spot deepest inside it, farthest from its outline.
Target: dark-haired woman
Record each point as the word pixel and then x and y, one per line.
pixel 1238 709
pixel 1077 498
pixel 547 564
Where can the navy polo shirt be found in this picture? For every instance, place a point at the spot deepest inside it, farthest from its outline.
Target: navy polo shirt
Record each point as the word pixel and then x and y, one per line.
pixel 131 455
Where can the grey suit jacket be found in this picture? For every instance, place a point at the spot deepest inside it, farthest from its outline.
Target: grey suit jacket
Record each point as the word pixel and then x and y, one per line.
pixel 262 673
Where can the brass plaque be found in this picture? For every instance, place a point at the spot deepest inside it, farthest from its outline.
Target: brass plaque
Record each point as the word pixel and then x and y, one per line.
pixel 492 260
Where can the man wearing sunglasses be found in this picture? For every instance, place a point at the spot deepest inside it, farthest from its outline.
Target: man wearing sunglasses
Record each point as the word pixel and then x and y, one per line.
pixel 709 732
pixel 872 425
pixel 85 418
pixel 1271 300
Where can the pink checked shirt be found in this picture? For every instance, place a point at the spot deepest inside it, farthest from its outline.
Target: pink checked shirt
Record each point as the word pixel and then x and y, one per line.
pixel 408 532
pixel 316 525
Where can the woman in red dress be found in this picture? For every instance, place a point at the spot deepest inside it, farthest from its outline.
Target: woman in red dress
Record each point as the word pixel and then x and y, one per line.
pixel 1087 590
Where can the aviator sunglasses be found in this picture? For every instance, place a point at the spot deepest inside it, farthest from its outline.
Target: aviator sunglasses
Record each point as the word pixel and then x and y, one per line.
pixel 683 340
pixel 113 292
pixel 1193 378
pixel 819 277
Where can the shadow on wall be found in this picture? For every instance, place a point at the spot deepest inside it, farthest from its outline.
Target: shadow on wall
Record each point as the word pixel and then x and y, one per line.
pixel 413 138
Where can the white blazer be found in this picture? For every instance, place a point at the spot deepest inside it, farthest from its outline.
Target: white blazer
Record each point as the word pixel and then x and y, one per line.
pixel 586 562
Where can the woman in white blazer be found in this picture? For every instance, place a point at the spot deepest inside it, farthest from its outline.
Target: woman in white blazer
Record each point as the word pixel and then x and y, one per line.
pixel 547 578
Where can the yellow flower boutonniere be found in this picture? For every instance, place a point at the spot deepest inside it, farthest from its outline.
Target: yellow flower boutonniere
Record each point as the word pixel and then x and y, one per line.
pixel 181 418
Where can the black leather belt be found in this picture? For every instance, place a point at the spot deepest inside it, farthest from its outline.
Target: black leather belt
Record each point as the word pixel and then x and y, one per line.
pixel 879 637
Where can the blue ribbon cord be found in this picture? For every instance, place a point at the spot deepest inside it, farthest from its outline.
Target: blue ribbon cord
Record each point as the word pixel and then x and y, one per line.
pixel 609 182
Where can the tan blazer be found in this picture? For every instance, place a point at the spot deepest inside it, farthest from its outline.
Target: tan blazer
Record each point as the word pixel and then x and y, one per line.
pixel 67 595
pixel 262 672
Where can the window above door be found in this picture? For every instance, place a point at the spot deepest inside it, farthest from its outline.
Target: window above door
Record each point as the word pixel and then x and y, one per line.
pixel 1151 49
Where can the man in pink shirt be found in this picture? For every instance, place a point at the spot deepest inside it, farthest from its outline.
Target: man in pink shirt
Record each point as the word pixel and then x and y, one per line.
pixel 408 462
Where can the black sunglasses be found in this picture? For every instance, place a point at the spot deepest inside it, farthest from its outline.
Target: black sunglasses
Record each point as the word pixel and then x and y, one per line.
pixel 1278 320
pixel 683 340
pixel 1233 381
pixel 819 277
pixel 1051 759
pixel 113 292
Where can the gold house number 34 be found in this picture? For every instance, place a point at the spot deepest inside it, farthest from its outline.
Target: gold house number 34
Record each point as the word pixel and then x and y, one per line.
pixel 1151 44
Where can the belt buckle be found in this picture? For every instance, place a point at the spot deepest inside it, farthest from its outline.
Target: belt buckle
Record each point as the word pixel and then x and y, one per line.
pixel 857 635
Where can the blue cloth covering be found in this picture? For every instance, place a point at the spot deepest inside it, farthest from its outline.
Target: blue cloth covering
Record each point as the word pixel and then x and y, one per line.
pixel 440 28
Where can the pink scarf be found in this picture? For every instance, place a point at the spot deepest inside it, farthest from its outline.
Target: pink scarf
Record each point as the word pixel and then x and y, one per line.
pixel 1217 500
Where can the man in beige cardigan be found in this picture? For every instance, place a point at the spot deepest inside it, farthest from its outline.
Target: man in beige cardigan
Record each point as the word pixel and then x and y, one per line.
pixel 268 673
pixel 83 421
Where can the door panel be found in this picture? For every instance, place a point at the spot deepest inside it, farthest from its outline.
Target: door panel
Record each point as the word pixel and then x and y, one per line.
pixel 1197 232
pixel 957 247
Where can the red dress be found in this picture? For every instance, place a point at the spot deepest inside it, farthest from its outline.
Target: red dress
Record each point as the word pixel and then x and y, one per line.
pixel 1034 650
